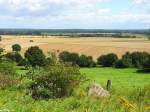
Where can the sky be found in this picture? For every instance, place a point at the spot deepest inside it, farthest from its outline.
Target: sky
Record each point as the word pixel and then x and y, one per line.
pixel 75 14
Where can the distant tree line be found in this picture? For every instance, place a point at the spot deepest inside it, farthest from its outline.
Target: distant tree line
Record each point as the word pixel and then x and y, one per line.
pixel 68 31
pixel 34 56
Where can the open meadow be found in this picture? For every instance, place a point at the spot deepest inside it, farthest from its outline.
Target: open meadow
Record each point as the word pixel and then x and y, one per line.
pixel 92 46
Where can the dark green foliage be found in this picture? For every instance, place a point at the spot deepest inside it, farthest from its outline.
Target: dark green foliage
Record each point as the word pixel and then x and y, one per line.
pixel 35 56
pixel 120 64
pixel 86 61
pixel 125 62
pixel 135 59
pixel 14 56
pixel 107 60
pixel 16 47
pixel 75 59
pixel 69 57
pixel 139 59
pixel 55 82
pixel 24 62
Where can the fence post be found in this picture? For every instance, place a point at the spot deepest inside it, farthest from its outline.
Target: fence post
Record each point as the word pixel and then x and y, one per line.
pixel 109 84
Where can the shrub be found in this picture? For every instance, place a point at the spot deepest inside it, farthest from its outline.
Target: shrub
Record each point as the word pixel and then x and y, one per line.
pixel 55 82
pixel 24 62
pixel 86 61
pixel 68 57
pixel 31 41
pixel 120 64
pixel 14 56
pixel 107 60
pixel 35 56
pixel 125 62
pixel 7 81
pixel 7 73
pixel 7 68
pixel 75 59
pixel 139 59
pixel 16 47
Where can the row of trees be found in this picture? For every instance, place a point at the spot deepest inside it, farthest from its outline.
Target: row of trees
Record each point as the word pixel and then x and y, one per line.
pixel 135 59
pixel 76 59
pixel 34 56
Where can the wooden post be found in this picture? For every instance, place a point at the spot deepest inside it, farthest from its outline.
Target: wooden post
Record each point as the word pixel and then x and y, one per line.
pixel 109 84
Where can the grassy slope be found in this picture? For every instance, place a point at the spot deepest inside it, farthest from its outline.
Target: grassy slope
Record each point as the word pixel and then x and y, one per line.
pixel 18 101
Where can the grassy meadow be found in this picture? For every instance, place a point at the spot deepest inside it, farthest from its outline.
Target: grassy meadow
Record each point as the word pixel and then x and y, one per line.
pixel 125 94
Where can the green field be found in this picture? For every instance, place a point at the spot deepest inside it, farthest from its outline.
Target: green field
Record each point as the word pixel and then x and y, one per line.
pixel 125 84
pixel 121 78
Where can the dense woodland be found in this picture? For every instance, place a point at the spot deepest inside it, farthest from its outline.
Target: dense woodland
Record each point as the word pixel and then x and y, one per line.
pixel 76 32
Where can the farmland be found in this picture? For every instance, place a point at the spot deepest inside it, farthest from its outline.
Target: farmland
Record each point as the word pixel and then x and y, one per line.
pixel 129 91
pixel 92 46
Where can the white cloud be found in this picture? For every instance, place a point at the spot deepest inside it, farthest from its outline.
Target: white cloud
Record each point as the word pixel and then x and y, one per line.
pixel 143 5
pixel 71 12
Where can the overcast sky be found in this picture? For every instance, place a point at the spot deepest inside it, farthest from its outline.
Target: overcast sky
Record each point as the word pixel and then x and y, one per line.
pixel 68 14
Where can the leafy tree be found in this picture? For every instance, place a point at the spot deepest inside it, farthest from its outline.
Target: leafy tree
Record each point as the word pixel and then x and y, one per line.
pixel 86 61
pixel 74 58
pixel 24 62
pixel 139 58
pixel 64 56
pixel 14 56
pixel 69 57
pixel 16 47
pixel 55 82
pixel 107 60
pixel 35 56
pixel 127 60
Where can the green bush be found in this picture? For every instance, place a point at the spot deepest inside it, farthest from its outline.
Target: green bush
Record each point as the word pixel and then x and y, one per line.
pixel 7 73
pixel 35 56
pixel 75 59
pixel 120 64
pixel 125 62
pixel 55 82
pixel 14 56
pixel 24 62
pixel 16 47
pixel 86 61
pixel 139 59
pixel 107 60
pixel 69 57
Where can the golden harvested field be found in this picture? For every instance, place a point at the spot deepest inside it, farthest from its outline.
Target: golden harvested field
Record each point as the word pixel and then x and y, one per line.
pixel 89 46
